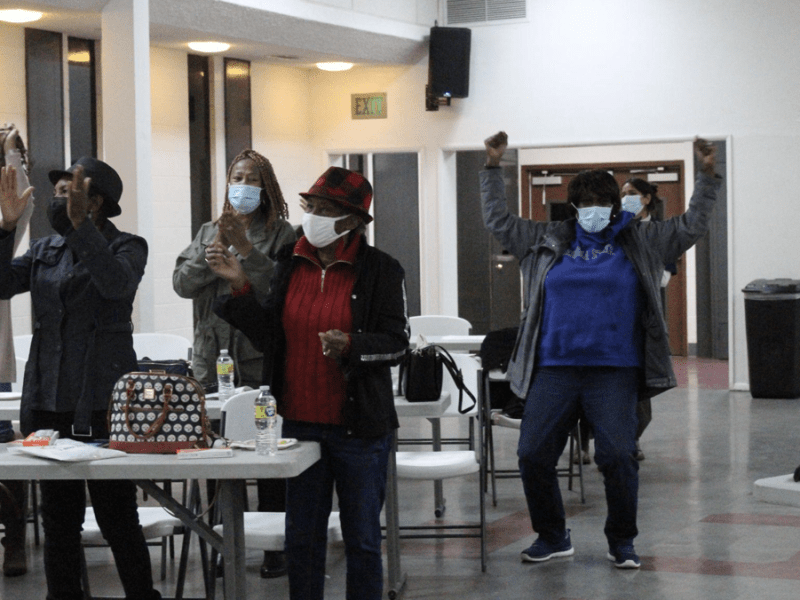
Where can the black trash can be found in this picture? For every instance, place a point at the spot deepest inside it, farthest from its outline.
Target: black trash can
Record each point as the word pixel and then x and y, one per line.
pixel 772 321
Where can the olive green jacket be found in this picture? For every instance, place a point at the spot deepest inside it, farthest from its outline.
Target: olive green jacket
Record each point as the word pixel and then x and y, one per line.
pixel 192 278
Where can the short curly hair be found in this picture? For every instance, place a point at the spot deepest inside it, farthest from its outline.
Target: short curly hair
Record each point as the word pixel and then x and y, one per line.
pixel 596 185
pixel 272 202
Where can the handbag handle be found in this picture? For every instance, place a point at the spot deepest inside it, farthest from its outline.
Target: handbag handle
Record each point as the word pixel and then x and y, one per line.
pixel 450 364
pixel 156 426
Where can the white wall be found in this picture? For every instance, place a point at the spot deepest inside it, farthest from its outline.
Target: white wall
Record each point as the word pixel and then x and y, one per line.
pixel 12 110
pixel 282 129
pixel 172 221
pixel 586 73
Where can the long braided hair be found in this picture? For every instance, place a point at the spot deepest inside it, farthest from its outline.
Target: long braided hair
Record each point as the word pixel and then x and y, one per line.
pixel 272 203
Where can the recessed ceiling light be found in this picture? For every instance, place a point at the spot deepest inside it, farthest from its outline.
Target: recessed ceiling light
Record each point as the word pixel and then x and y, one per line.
pixel 209 47
pixel 335 66
pixel 17 15
pixel 79 56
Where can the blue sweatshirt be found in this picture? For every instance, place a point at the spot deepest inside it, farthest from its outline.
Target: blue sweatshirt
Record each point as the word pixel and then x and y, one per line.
pixel 592 304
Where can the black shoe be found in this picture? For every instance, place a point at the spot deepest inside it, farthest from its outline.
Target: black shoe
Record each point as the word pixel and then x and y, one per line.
pixel 274 564
pixel 638 455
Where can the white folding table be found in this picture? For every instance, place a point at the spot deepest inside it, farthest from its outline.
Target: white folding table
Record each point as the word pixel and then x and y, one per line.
pixel 146 469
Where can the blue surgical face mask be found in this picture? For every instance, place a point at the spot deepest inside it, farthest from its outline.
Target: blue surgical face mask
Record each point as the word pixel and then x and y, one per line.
pixel 244 198
pixel 632 204
pixel 594 218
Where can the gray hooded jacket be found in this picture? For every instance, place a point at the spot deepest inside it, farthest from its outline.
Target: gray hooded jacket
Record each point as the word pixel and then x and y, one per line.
pixel 648 245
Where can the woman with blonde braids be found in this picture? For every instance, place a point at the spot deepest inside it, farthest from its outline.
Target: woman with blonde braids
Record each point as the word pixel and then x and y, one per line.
pixel 253 227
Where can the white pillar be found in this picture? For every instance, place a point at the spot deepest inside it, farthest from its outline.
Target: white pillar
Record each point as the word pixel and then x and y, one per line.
pixel 126 127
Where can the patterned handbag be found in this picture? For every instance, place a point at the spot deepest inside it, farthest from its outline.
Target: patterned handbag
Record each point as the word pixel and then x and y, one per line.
pixel 157 413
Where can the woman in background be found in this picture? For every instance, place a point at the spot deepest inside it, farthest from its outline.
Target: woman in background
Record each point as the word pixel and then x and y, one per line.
pixel 252 228
pixel 13 499
pixel 82 281
pixel 641 198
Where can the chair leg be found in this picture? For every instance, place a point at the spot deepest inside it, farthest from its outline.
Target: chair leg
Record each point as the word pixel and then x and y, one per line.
pixel 580 463
pixel 35 510
pixel 187 539
pixel 87 593
pixel 163 546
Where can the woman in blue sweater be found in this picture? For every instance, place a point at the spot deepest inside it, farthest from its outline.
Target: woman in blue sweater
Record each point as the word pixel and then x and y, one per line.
pixel 592 337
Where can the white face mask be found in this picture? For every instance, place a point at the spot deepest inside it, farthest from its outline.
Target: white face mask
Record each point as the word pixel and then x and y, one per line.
pixel 244 198
pixel 594 218
pixel 632 204
pixel 321 231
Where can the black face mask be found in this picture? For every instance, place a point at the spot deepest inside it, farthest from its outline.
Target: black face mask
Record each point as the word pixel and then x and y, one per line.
pixel 57 214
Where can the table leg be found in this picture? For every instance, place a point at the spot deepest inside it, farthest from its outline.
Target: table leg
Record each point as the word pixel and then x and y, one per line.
pixel 232 493
pixel 438 493
pixel 397 579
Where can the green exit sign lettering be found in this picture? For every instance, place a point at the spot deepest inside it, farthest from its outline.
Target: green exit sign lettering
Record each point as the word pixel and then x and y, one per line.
pixel 368 106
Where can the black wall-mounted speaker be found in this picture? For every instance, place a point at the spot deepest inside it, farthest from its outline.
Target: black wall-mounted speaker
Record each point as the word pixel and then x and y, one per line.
pixel 448 62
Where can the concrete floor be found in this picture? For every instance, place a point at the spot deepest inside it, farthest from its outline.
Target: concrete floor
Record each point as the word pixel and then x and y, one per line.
pixel 702 533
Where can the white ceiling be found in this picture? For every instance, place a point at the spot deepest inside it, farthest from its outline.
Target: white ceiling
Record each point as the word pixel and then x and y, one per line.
pixel 254 34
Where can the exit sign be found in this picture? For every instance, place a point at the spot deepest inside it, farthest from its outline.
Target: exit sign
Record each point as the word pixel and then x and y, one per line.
pixel 368 106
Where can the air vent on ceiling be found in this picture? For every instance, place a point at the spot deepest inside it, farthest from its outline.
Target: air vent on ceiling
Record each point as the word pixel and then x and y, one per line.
pixel 483 11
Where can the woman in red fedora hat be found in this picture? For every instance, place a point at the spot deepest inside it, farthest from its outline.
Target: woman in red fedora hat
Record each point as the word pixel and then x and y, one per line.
pixel 82 281
pixel 333 325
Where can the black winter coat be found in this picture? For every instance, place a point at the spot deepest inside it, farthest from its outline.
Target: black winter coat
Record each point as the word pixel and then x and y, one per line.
pixel 82 289
pixel 378 340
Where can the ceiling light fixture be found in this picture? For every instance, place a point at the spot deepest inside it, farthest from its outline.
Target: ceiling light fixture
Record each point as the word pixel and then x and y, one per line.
pixel 209 47
pixel 334 66
pixel 17 15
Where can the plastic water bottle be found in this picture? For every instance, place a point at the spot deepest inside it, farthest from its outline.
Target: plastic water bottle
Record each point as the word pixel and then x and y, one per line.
pixel 266 413
pixel 225 372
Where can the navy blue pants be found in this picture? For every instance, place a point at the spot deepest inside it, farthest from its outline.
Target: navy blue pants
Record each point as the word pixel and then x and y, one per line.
pixel 606 397
pixel 357 468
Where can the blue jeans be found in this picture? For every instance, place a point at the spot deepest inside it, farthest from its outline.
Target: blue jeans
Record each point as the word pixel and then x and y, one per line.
pixel 63 509
pixel 606 397
pixel 357 467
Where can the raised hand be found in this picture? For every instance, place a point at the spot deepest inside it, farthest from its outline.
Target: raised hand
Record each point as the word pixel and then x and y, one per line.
pixel 11 205
pixel 706 154
pixel 10 141
pixel 495 148
pixel 233 231
pixel 78 197
pixel 224 264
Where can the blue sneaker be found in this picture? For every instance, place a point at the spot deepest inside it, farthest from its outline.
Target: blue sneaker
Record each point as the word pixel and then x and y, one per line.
pixel 624 557
pixel 542 550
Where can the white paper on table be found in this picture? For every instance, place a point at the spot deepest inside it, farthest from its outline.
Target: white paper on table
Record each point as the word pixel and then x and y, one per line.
pixel 66 450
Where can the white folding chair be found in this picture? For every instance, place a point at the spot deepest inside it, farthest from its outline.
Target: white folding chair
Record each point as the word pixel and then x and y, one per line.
pixel 495 418
pixel 436 466
pixel 262 530
pixel 161 346
pixel 22 346
pixel 439 325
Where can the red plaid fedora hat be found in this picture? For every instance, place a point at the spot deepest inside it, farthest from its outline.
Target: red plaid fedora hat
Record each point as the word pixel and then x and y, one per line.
pixel 347 188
